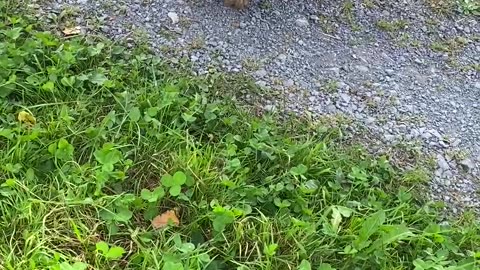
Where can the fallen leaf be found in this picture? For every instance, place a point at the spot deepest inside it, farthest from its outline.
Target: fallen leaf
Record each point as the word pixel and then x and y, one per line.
pixel 161 221
pixel 27 118
pixel 69 31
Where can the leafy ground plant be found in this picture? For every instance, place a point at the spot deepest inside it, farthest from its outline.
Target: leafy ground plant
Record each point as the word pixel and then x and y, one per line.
pixel 96 142
pixel 469 7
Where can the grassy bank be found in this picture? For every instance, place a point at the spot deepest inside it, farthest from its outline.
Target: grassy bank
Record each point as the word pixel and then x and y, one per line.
pixel 110 159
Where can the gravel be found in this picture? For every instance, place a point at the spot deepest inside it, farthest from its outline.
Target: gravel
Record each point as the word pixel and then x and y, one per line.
pixel 406 75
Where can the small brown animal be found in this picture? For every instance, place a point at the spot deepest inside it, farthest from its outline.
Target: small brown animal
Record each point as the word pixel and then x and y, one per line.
pixel 238 4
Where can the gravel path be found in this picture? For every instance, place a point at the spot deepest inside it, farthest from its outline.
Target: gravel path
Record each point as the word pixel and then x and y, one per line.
pixel 405 73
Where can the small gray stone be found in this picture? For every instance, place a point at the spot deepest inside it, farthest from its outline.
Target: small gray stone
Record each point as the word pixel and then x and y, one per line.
pixel 442 163
pixel 369 120
pixel 446 181
pixel 301 22
pixel 288 83
pixel 418 61
pixel 331 109
pixel 447 175
pixel 261 83
pixel 362 68
pixel 389 71
pixel 467 164
pixel 282 57
pixel 345 97
pixel 174 17
pixel 269 107
pixel 261 73
pixel 435 133
pixel 336 71
pixel 426 135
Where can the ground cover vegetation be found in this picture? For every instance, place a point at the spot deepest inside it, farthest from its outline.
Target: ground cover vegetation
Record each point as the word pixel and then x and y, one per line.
pixel 112 159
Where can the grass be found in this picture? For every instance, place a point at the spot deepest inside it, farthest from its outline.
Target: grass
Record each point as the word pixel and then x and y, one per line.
pixel 466 7
pixel 97 141
pixel 451 46
pixel 392 26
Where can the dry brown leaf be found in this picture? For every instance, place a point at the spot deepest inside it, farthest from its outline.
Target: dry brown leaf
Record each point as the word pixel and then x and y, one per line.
pixel 161 221
pixel 27 118
pixel 69 31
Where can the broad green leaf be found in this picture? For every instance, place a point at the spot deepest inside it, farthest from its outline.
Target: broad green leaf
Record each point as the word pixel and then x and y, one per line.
pixel 233 164
pixel 358 174
pixel 222 219
pixel 9 86
pixel 108 155
pixel 305 265
pixel 369 227
pixel 151 212
pixel 371 224
pixel 152 196
pixel 79 266
pixel 345 211
pixel 102 247
pixel 391 234
pixel 13 168
pixel 173 266
pixel 159 193
pixel 433 228
pixel 336 219
pixel 48 86
pixel 9 183
pixel 152 112
pixel 167 180
pixel 6 133
pixel 395 233
pixel 68 81
pixel 75 266
pixel 13 33
pixel 123 214
pixel 310 186
pixel 175 190
pixel 30 174
pixel 188 117
pixel 190 181
pixel 299 170
pixel 146 195
pixel 421 264
pixel 179 178
pixel 63 144
pixel 204 257
pixel 64 150
pixel 97 78
pixel 117 50
pixel 106 215
pixel 7 89
pixel 186 247
pixel 349 250
pixel 270 250
pixel 325 266
pixel 135 114
pixel 93 51
pixel 115 253
pixel 281 203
